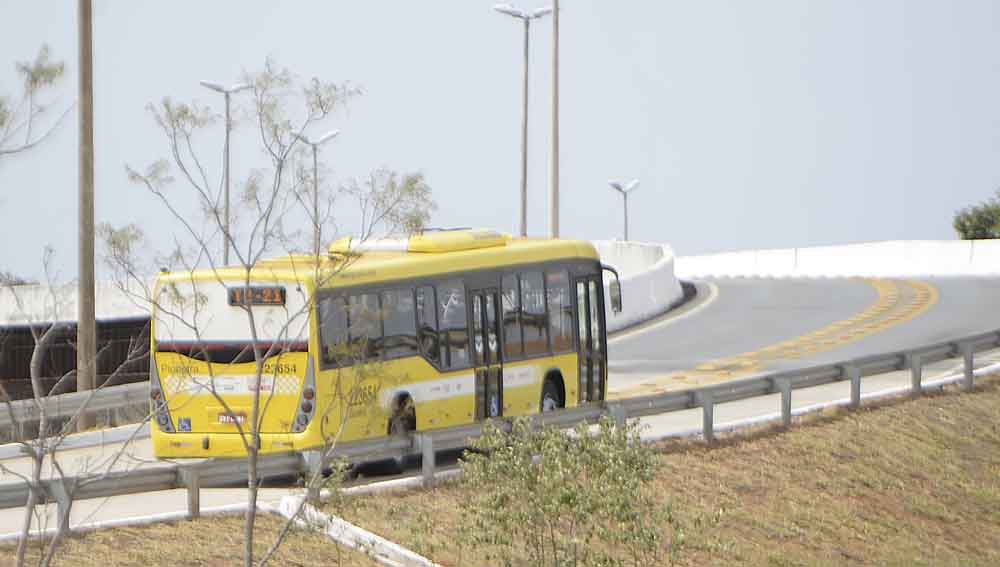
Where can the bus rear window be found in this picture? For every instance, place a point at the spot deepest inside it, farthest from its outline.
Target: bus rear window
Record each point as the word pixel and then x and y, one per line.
pixel 196 319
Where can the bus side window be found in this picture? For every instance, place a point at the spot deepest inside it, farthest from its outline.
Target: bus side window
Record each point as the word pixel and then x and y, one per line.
pixel 427 326
pixel 533 320
pixel 333 328
pixel 510 301
pixel 365 326
pixel 454 326
pixel 560 310
pixel 399 322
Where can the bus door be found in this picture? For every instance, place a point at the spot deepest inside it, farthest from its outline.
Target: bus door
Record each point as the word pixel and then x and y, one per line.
pixel 486 356
pixel 590 339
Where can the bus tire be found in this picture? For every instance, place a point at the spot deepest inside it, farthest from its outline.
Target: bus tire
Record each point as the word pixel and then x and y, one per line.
pixel 402 422
pixel 551 395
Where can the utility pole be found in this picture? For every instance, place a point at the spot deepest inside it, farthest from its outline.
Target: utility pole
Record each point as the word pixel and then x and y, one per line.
pixel 625 190
pixel 526 17
pixel 86 330
pixel 554 181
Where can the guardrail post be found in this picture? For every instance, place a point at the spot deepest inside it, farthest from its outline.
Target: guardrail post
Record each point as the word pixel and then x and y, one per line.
pixel 58 491
pixel 786 402
pixel 853 373
pixel 617 412
pixel 191 477
pixel 313 461
pixel 969 382
pixel 916 375
pixel 707 416
pixel 428 464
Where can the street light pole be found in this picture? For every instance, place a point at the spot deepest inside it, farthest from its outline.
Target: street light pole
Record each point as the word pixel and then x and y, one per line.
pixel 526 17
pixel 554 182
pixel 625 190
pixel 315 144
pixel 227 236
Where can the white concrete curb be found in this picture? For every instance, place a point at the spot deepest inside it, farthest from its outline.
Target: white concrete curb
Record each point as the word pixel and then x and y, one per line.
pixel 347 534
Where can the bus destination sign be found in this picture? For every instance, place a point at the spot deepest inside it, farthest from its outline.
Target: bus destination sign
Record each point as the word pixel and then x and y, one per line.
pixel 257 295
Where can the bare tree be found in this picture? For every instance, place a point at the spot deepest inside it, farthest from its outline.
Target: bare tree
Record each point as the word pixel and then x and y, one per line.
pixel 20 116
pixel 272 198
pixel 388 201
pixel 43 446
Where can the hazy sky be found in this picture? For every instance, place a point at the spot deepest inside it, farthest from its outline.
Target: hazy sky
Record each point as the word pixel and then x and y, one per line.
pixel 751 124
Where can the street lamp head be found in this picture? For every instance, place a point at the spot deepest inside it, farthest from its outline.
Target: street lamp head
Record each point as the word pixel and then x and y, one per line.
pixel 214 86
pixel 541 12
pixel 328 136
pixel 624 189
pixel 319 141
pixel 511 11
pixel 221 89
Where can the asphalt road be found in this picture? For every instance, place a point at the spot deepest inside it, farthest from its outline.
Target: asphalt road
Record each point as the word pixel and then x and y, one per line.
pixel 740 327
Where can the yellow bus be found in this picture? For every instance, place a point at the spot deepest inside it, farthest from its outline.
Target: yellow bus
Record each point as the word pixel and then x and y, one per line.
pixel 381 337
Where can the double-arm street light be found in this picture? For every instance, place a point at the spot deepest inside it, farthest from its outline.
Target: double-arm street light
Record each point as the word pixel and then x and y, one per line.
pixel 525 17
pixel 315 144
pixel 625 190
pixel 228 91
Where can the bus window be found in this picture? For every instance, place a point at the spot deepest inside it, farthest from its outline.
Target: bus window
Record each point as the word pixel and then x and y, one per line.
pixel 510 301
pixel 365 325
pixel 399 323
pixel 427 327
pixel 560 310
pixel 333 328
pixel 454 327
pixel 533 320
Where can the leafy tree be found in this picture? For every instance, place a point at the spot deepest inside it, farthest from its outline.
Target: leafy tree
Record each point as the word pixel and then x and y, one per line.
pixel 19 118
pixel 979 221
pixel 543 497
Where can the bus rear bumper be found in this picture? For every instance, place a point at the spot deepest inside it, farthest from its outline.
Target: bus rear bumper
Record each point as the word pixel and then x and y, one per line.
pixel 225 445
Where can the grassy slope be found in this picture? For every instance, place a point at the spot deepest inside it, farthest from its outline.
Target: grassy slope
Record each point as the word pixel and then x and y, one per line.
pixel 916 483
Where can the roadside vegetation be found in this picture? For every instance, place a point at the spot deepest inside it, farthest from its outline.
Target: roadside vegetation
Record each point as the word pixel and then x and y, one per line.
pixel 980 221
pixel 912 483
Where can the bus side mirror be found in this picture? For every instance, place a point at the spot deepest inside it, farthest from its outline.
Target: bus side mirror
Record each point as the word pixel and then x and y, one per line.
pixel 615 288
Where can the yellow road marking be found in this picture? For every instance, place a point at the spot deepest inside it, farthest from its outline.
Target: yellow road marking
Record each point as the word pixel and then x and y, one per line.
pixel 898 302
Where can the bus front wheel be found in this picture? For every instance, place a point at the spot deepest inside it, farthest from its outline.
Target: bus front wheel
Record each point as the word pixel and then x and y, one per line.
pixel 551 399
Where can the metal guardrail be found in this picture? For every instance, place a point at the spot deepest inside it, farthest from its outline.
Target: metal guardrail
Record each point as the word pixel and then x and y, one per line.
pixel 195 475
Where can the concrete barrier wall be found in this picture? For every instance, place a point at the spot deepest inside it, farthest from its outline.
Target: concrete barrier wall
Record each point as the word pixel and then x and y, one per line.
pixel 897 258
pixel 649 286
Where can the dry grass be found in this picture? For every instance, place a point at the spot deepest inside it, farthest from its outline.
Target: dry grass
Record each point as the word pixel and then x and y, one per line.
pixel 207 542
pixel 914 483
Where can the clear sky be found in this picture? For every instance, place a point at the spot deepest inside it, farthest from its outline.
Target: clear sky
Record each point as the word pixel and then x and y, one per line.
pixel 770 123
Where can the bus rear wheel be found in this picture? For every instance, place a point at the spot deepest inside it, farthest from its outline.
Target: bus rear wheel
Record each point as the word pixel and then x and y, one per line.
pixel 551 400
pixel 402 422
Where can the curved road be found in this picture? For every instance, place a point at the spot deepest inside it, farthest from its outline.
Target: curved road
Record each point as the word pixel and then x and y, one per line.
pixel 739 327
